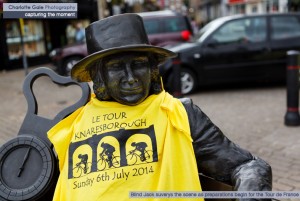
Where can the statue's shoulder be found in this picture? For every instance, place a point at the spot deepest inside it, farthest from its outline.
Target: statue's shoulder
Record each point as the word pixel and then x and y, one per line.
pixel 187 102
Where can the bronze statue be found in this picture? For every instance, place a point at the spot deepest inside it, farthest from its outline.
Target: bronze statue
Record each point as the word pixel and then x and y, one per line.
pixel 157 142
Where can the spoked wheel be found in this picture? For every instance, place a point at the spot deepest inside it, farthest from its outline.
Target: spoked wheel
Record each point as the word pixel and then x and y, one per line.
pixel 101 164
pixel 188 81
pixel 116 161
pixel 77 171
pixel 148 156
pixel 131 159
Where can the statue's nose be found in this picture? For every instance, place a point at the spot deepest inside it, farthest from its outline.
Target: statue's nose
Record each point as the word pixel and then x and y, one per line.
pixel 129 74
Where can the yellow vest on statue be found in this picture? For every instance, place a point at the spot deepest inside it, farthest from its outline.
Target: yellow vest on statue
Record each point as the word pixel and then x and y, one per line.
pixel 107 150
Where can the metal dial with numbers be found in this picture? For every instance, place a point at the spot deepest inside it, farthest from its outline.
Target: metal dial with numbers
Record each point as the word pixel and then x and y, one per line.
pixel 27 168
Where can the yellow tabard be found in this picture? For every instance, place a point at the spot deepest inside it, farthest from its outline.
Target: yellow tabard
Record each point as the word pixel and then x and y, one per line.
pixel 107 150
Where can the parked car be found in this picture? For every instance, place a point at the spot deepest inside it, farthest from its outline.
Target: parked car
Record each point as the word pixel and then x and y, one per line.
pixel 241 48
pixel 64 58
pixel 162 27
pixel 166 27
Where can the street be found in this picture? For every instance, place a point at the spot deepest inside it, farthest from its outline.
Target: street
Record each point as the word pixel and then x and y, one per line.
pixel 252 117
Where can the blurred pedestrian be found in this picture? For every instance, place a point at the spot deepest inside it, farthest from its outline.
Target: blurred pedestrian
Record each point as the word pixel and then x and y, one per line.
pixel 80 33
pixel 70 33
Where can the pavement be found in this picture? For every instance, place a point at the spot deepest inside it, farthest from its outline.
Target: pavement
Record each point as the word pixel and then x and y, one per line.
pixel 252 117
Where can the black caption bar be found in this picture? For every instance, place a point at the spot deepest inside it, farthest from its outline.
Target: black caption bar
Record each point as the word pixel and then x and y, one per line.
pixel 38 14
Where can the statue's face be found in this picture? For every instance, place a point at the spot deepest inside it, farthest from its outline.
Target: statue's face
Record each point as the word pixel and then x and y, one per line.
pixel 127 77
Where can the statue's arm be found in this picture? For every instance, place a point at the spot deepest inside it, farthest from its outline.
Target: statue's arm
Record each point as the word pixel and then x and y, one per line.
pixel 221 159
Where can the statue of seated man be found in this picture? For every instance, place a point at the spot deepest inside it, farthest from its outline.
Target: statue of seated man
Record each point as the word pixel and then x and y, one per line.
pixel 129 105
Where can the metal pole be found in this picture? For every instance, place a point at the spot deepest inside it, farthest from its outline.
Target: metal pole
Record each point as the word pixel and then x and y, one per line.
pixel 176 78
pixel 292 117
pixel 100 9
pixel 24 58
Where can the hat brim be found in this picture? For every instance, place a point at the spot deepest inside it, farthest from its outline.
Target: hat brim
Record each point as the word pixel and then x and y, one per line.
pixel 80 72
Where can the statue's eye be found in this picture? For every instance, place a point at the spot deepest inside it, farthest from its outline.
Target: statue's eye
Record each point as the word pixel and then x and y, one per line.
pixel 140 63
pixel 137 63
pixel 114 66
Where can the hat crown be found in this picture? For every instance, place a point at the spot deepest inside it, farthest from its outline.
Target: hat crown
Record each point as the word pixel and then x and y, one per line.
pixel 113 35
pixel 116 31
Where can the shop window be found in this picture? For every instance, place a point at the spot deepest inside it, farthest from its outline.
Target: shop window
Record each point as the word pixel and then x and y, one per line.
pixel 272 6
pixel 254 9
pixel 33 39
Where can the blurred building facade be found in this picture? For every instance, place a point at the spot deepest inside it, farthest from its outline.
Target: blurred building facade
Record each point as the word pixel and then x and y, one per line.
pixel 40 36
pixel 203 11
pixel 43 35
pixel 211 9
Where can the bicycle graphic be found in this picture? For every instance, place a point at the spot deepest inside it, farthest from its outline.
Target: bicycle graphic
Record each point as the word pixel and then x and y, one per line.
pixel 133 157
pixel 104 162
pixel 80 169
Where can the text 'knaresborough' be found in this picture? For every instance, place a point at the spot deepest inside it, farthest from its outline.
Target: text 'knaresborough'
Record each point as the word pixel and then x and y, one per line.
pixel 110 126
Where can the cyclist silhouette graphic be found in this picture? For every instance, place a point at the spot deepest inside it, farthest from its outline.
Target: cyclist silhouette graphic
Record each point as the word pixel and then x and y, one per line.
pixel 140 146
pixel 108 150
pixel 83 158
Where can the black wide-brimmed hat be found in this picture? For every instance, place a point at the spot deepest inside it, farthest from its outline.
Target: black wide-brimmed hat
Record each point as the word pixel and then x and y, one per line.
pixel 115 34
